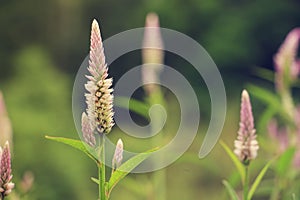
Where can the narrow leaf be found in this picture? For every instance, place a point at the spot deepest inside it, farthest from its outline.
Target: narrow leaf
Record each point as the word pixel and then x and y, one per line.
pixel 134 105
pixel 95 180
pixel 77 144
pixel 236 161
pixel 284 161
pixel 258 180
pixel 230 190
pixel 126 168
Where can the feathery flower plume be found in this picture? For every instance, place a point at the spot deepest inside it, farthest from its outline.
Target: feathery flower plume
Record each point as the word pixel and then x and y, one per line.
pixel 246 145
pixel 118 155
pixel 286 63
pixel 152 52
pixel 99 98
pixel 5 171
pixel 87 131
pixel 5 125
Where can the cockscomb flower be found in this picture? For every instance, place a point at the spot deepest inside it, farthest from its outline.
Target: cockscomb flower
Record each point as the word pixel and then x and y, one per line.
pixel 152 52
pixel 286 63
pixel 99 98
pixel 5 171
pixel 118 155
pixel 246 145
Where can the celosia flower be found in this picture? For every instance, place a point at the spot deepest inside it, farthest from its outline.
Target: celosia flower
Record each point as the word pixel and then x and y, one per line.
pixel 246 145
pixel 5 171
pixel 286 63
pixel 118 155
pixel 87 131
pixel 99 98
pixel 5 125
pixel 152 52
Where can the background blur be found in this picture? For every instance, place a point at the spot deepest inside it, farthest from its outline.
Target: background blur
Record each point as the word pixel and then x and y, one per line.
pixel 42 44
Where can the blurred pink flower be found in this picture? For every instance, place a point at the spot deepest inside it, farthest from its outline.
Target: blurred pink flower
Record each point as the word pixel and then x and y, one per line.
pixel 5 124
pixel 152 52
pixel 99 98
pixel 279 135
pixel 246 145
pixel 287 64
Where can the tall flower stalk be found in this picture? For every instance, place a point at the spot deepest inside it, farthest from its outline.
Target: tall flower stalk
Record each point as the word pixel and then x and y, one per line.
pixel 98 118
pixel 246 145
pixel 153 56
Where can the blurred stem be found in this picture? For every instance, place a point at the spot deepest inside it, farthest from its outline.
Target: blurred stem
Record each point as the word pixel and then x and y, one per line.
pixel 101 169
pixel 246 185
pixel 158 177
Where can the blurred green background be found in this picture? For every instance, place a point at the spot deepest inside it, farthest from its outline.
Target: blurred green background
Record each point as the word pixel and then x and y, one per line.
pixel 42 44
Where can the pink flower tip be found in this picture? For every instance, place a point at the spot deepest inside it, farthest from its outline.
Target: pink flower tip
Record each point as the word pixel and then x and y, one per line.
pixel 246 145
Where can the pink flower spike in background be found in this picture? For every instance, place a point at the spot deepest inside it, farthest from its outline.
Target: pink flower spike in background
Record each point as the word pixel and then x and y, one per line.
pixel 287 64
pixel 5 124
pixel 99 98
pixel 5 172
pixel 246 145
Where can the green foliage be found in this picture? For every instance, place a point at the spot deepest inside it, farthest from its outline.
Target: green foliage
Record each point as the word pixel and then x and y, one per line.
pixel 239 166
pixel 258 180
pixel 126 168
pixel 230 190
pixel 77 144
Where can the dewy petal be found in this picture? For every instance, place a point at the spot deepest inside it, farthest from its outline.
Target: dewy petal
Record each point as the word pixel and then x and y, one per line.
pixel 246 145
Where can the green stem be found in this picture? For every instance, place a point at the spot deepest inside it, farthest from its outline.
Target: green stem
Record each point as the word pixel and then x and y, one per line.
pixel 158 177
pixel 101 170
pixel 246 184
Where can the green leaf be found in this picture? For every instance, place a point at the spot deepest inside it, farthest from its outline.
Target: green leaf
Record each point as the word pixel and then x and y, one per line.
pixel 134 105
pixel 230 190
pixel 284 161
pixel 265 96
pixel 77 144
pixel 264 73
pixel 126 168
pixel 265 118
pixel 236 161
pixel 258 180
pixel 95 180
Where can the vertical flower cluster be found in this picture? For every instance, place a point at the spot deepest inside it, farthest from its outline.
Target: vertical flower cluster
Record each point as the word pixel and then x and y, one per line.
pixel 99 99
pixel 152 52
pixel 5 171
pixel 246 145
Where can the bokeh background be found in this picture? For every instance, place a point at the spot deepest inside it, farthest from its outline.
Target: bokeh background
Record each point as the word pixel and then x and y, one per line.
pixel 43 43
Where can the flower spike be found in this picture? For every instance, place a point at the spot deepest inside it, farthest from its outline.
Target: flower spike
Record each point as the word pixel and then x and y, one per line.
pixel 246 145
pixel 99 98
pixel 5 171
